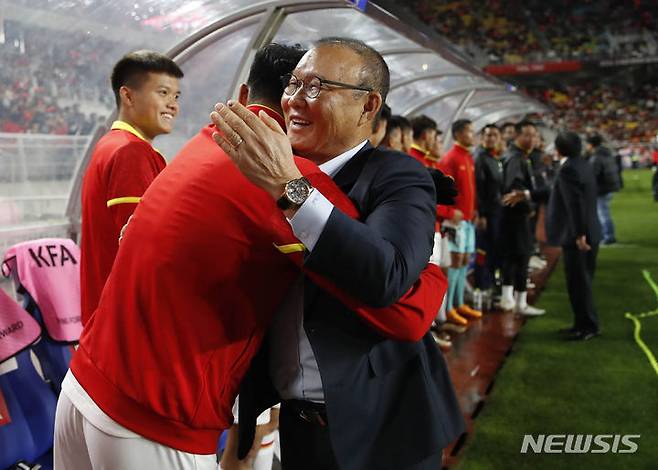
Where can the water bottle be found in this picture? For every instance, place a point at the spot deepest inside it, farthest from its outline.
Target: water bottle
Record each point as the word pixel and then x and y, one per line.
pixel 477 299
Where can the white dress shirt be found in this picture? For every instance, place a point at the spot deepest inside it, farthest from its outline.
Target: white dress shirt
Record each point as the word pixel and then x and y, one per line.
pixel 293 367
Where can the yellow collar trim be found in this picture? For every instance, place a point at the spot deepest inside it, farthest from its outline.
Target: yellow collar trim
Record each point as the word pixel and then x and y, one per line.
pixel 291 248
pixel 124 126
pixel 420 149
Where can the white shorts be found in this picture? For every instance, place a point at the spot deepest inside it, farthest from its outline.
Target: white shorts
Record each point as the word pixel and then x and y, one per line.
pixel 441 252
pixel 80 445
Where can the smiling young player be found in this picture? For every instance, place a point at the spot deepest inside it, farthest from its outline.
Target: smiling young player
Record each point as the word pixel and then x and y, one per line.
pixel 124 162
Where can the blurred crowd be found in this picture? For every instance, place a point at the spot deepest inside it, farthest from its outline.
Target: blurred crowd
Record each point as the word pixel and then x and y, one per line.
pixel 52 87
pixel 538 30
pixel 623 114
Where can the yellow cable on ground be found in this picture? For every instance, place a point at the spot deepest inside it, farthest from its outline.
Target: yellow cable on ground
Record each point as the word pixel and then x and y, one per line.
pixel 647 277
pixel 638 327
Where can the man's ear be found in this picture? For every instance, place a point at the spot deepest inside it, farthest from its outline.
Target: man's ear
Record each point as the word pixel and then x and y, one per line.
pixel 371 107
pixel 243 94
pixel 126 97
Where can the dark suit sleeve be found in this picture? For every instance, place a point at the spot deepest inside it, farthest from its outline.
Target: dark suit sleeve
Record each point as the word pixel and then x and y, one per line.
pixel 573 192
pixel 378 259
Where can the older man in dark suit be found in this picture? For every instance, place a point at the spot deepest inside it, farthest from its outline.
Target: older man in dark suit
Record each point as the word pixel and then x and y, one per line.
pixel 572 223
pixel 352 399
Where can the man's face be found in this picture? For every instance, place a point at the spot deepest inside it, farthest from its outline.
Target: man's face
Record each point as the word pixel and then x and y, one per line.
pixel 466 136
pixel 509 133
pixel 437 148
pixel 394 139
pixel 154 105
pixel 526 138
pixel 334 122
pixel 490 138
pixel 428 138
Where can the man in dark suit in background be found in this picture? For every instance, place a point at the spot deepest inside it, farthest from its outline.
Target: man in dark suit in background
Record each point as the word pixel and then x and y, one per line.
pixel 573 224
pixel 351 398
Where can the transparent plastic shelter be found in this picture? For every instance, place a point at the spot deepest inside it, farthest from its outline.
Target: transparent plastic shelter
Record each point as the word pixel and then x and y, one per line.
pixel 69 46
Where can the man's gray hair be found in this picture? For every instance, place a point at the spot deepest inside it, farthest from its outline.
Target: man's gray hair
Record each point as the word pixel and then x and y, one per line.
pixel 375 72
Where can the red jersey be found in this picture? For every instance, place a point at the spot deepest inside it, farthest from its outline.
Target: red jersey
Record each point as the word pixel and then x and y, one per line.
pixel 458 163
pixel 122 166
pixel 428 160
pixel 423 156
pixel 204 264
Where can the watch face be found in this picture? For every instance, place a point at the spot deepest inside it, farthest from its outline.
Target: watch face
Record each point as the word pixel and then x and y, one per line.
pixel 297 191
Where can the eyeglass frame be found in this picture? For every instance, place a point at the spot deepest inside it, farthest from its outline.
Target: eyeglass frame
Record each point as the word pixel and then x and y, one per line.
pixel 285 79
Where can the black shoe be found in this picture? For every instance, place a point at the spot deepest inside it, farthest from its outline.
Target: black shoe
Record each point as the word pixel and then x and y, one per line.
pixel 610 241
pixel 583 335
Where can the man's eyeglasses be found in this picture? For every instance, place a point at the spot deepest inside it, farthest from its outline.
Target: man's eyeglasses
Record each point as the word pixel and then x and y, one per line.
pixel 313 87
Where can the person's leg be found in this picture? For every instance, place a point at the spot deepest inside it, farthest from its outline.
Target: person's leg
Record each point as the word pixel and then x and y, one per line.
pixel 482 273
pixel 509 271
pixel 610 223
pixel 469 248
pixel 579 287
pixel 107 452
pixel 521 275
pixel 453 275
pixel 603 213
pixel 590 307
pixel 70 447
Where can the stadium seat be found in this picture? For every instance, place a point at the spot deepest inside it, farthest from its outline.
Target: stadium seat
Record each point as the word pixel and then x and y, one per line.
pixel 46 273
pixel 27 403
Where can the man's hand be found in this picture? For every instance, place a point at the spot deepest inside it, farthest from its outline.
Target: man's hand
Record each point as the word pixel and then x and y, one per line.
pixel 481 223
pixel 581 243
pixel 446 189
pixel 257 145
pixel 458 217
pixel 513 198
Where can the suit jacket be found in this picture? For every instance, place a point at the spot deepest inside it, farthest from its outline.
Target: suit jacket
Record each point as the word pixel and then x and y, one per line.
pixel 488 181
pixel 572 205
pixel 377 390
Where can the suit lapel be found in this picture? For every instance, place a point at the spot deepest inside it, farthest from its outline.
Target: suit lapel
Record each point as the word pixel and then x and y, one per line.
pixel 348 175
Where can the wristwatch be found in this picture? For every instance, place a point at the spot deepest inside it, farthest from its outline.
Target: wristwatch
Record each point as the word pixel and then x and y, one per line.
pixel 295 193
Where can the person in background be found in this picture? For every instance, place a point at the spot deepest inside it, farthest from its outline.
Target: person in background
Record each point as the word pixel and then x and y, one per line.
pixel 380 126
pixel 488 184
pixel 508 134
pixel 393 136
pixel 424 135
pixel 407 134
pixel 606 175
pixel 436 151
pixel 516 238
pixel 573 224
pixel 124 162
pixel 458 163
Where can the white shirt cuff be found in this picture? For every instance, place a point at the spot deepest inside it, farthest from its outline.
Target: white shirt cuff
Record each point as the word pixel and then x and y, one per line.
pixel 310 219
pixel 526 192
